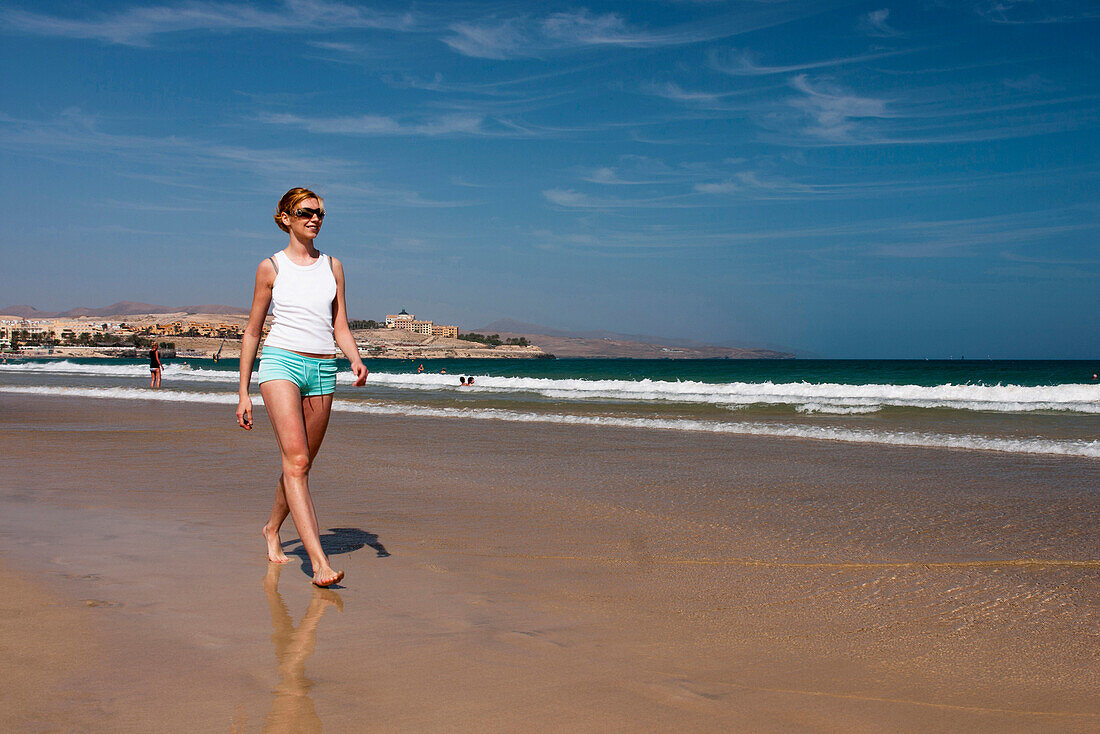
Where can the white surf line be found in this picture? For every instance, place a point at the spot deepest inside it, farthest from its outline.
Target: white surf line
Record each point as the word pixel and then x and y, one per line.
pixel 849 435
pixel 1079 448
pixel 1071 398
pixel 808 397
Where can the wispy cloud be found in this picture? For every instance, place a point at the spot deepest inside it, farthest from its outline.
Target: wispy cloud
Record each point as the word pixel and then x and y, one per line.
pixel 610 176
pixel 501 93
pixel 570 199
pixel 639 170
pixel 758 185
pixel 720 187
pixel 1016 257
pixel 382 125
pixel 761 180
pixel 137 26
pixel 583 28
pixel 877 238
pixel 833 113
pixel 1025 12
pixel 462 123
pixel 358 195
pixel 943 238
pixel 528 36
pixel 823 112
pixel 1029 83
pixel 501 40
pixel 701 99
pixel 532 36
pixel 347 48
pixel 78 135
pixel 751 184
pixel 743 63
pixel 966 239
pixel 440 83
pixel 75 138
pixel 874 24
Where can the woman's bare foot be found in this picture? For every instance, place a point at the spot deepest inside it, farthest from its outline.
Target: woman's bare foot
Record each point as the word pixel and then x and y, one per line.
pixel 327 577
pixel 274 546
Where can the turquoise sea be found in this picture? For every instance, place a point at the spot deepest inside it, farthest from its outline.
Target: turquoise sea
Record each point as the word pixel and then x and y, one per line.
pixel 1007 406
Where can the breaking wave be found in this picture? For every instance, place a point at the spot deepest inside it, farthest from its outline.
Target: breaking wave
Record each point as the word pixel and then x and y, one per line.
pixel 1061 447
pixel 807 397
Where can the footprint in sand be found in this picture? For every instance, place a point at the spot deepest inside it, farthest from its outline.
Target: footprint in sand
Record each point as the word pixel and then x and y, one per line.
pixel 681 693
pixel 529 639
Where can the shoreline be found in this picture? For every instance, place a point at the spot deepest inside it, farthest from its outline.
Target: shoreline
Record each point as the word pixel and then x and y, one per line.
pixel 539 576
pixel 912 435
pixel 449 353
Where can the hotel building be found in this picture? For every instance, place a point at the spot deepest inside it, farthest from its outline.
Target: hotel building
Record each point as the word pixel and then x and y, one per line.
pixel 407 321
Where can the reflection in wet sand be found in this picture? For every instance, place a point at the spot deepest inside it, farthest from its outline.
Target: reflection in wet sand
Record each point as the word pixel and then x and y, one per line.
pixel 291 707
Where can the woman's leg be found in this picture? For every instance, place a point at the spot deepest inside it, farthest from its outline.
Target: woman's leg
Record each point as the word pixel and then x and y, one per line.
pixel 315 413
pixel 157 376
pixel 287 410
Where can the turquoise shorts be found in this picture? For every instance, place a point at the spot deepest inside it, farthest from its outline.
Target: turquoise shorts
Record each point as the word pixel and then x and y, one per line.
pixel 313 376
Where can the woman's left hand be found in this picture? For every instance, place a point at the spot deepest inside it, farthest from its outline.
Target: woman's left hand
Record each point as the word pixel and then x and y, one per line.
pixel 360 370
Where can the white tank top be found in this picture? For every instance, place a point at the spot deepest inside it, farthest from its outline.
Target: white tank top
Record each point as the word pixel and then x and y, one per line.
pixel 301 306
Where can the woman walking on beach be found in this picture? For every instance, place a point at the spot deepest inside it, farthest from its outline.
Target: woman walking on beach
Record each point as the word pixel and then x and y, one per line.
pixel 305 289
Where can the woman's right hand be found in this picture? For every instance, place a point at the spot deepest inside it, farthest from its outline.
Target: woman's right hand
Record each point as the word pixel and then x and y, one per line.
pixel 244 413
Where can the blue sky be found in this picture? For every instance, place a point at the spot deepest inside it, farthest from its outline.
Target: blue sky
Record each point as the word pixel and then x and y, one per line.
pixel 845 179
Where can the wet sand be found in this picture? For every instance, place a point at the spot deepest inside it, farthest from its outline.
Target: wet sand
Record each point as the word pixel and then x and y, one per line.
pixel 505 577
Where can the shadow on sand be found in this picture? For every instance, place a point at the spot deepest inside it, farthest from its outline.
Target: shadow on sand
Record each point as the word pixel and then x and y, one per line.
pixel 337 541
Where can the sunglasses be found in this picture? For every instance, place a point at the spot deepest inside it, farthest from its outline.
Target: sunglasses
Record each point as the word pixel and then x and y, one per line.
pixel 309 213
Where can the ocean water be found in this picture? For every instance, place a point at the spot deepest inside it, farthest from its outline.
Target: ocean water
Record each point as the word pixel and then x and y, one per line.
pixel 1020 407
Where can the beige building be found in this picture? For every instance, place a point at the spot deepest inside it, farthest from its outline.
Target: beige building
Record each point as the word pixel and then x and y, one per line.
pixel 407 321
pixel 450 332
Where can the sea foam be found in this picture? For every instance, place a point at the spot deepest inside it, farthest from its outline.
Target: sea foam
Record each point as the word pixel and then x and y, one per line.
pixel 806 397
pixel 1063 447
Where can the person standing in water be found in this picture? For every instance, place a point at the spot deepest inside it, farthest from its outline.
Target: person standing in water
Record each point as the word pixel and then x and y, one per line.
pixel 297 375
pixel 155 366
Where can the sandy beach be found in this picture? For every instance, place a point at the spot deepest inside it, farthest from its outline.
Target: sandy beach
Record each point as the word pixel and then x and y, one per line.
pixel 534 577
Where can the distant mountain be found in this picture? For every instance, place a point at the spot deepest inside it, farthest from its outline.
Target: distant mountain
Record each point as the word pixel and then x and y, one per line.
pixel 122 308
pixel 27 312
pixel 215 308
pixel 636 346
pixel 512 326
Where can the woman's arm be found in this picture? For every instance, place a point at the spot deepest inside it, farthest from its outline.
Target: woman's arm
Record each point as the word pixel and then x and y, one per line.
pixel 250 342
pixel 342 331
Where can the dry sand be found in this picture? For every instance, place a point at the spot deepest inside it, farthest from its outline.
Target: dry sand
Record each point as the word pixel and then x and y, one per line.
pixel 507 577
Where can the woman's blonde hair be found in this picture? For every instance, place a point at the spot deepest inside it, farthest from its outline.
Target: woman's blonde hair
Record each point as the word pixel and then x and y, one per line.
pixel 290 202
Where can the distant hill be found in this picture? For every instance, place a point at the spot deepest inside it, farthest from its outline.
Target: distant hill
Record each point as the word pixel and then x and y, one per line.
pixel 27 312
pixel 214 308
pixel 565 343
pixel 521 327
pixel 122 308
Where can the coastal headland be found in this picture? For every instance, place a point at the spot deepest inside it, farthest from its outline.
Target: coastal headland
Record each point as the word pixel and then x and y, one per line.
pixel 527 577
pixel 217 329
